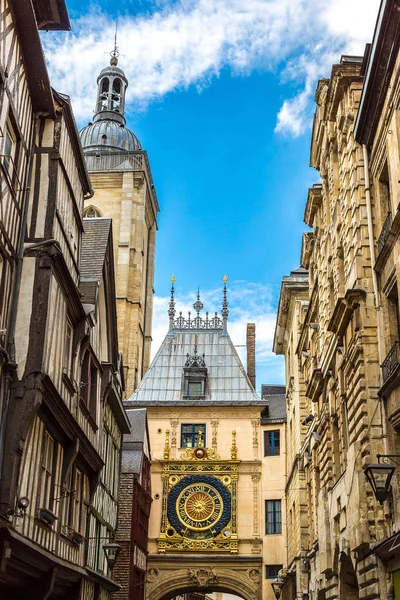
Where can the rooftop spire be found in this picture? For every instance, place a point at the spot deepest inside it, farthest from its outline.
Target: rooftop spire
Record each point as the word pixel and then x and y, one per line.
pixel 225 311
pixel 115 53
pixel 171 310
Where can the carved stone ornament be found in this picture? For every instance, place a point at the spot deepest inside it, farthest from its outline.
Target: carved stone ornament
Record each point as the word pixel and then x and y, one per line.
pixel 203 577
pixel 254 575
pixel 152 574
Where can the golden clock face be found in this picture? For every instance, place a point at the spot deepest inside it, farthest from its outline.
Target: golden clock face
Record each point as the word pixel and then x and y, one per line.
pixel 199 506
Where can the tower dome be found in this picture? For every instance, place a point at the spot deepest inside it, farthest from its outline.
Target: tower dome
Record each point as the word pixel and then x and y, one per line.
pixel 107 134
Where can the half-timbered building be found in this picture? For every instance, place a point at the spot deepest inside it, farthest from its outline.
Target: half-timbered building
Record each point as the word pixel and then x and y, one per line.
pixel 62 417
pixel 24 92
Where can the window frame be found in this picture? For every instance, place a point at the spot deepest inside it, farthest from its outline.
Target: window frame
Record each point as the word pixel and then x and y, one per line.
pixel 88 387
pixel 275 448
pixel 276 523
pixel 196 383
pixel 48 464
pixel 277 569
pixel 10 157
pixel 193 434
pixel 77 501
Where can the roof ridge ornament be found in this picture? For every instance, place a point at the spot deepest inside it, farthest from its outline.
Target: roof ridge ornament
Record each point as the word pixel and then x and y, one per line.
pixel 225 310
pixel 171 310
pixel 198 322
pixel 198 305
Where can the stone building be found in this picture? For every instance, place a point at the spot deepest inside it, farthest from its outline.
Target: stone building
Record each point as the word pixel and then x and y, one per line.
pixel 217 518
pixel 301 502
pixel 62 415
pixel 336 327
pixel 377 128
pixel 124 190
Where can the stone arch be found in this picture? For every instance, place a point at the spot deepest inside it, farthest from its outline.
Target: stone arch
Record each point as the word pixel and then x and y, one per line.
pixel 92 211
pixel 167 585
pixel 348 583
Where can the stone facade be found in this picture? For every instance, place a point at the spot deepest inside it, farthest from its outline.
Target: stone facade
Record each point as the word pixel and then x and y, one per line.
pixel 332 331
pixel 377 128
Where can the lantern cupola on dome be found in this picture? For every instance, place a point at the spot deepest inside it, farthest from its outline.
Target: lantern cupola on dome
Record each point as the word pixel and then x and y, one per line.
pixel 108 133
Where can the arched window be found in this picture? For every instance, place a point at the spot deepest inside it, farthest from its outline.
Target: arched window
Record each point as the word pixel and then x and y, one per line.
pixel 117 86
pixel 91 212
pixel 105 86
pixel 116 95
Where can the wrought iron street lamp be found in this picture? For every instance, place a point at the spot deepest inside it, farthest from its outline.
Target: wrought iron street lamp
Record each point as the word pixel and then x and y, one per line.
pixel 380 475
pixel 277 586
pixel 111 551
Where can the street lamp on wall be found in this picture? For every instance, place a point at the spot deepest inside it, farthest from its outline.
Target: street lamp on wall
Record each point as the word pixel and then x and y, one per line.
pixel 111 551
pixel 380 475
pixel 277 586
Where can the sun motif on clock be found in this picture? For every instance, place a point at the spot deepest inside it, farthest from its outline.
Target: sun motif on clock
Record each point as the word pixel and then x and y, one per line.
pixel 199 506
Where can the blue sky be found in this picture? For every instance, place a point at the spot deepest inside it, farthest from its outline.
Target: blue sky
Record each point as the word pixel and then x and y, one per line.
pixel 221 96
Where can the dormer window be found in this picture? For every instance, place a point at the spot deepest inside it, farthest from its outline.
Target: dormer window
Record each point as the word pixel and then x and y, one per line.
pixel 195 388
pixel 194 376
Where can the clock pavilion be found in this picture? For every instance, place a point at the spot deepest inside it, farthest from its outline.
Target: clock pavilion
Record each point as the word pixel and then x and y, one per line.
pixel 217 473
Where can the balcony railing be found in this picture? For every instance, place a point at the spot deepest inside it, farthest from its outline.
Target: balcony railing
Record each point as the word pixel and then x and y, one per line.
pixel 116 162
pixel 391 362
pixel 385 232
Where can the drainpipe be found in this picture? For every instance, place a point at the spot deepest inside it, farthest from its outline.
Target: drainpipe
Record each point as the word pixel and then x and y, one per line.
pixel 374 282
pixel 10 366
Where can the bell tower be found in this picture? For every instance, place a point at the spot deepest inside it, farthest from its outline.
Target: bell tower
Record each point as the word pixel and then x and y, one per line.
pixel 111 90
pixel 124 190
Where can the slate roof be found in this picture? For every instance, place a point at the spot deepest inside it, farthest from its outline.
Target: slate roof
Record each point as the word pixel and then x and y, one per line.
pixel 137 420
pixel 94 246
pixel 274 397
pixel 227 381
pixel 133 442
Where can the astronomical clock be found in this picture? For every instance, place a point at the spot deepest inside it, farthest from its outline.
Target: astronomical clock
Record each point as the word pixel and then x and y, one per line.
pixel 199 502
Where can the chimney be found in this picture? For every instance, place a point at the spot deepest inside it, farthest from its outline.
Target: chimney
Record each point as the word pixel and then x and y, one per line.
pixel 251 353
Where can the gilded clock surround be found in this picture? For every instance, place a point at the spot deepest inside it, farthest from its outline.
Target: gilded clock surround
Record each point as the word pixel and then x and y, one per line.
pixel 199 503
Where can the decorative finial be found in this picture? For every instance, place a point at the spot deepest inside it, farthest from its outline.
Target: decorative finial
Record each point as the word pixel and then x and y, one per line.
pixel 198 305
pixel 171 310
pixel 115 53
pixel 166 448
pixel 200 443
pixel 225 311
pixel 233 448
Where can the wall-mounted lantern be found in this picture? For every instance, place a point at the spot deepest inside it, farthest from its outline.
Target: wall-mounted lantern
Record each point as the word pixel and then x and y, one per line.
pixel 380 475
pixel 111 550
pixel 277 586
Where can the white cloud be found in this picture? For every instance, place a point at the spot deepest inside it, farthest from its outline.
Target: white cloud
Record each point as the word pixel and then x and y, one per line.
pixel 248 303
pixel 190 41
